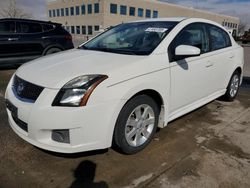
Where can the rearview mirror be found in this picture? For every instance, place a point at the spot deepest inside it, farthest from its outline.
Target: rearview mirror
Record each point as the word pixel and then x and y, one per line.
pixel 186 50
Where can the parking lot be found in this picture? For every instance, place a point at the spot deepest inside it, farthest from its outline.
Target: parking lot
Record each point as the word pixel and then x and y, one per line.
pixel 209 147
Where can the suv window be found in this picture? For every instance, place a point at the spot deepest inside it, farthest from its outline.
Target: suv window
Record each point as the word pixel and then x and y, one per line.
pixel 218 38
pixel 47 27
pixel 28 27
pixel 193 35
pixel 7 27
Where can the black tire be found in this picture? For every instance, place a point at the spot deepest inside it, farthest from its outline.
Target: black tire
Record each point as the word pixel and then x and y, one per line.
pixel 229 96
pixel 53 51
pixel 120 142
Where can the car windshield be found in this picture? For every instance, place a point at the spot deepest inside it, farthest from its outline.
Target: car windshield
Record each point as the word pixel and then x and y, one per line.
pixel 138 38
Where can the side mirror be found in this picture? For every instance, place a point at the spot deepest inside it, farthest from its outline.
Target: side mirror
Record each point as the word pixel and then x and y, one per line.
pixel 187 51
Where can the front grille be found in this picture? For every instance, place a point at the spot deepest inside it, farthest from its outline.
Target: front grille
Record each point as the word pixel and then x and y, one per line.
pixel 26 90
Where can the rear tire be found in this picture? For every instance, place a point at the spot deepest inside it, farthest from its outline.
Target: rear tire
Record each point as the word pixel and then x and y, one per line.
pixel 233 87
pixel 136 124
pixel 53 51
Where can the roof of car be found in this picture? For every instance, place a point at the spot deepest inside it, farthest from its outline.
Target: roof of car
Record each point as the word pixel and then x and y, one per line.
pixel 28 20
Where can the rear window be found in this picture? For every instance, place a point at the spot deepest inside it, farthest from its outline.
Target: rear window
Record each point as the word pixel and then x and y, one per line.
pixel 7 27
pixel 48 27
pixel 27 27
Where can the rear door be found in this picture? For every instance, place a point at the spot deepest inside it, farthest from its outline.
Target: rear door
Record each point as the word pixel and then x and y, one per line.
pixel 8 39
pixel 190 76
pixel 222 57
pixel 30 38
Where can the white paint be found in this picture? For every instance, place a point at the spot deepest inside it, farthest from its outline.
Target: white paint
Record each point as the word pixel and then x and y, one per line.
pixel 183 88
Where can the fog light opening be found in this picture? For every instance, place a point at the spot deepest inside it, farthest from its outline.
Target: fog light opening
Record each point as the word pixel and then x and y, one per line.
pixel 61 136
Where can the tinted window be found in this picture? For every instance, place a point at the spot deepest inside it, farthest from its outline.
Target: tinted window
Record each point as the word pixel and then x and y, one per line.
pixel 90 30
pixel 132 11
pixel 140 12
pixel 218 38
pixel 47 27
pixel 123 10
pixel 78 30
pixel 73 29
pixel 62 11
pixel 50 13
pixel 155 14
pixel 89 9
pixel 27 27
pixel 96 7
pixel 148 13
pixel 72 11
pixel 113 8
pixel 97 27
pixel 58 12
pixel 84 30
pixel 192 35
pixel 77 10
pixel 67 11
pixel 83 9
pixel 7 27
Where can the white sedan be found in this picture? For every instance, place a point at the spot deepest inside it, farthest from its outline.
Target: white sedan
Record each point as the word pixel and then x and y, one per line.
pixel 116 89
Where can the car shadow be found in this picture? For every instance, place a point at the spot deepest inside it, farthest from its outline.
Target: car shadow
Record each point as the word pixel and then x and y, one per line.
pixel 84 176
pixel 245 82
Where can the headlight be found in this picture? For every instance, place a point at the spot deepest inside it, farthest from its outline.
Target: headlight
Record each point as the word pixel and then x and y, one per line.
pixel 77 91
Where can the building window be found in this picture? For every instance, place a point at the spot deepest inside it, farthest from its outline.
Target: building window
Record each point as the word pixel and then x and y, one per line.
pixel 62 11
pixel 155 14
pixel 84 30
pixel 72 11
pixel 83 9
pixel 236 25
pixel 89 9
pixel 67 11
pixel 58 12
pixel 78 31
pixel 50 13
pixel 123 10
pixel 54 13
pixel 90 30
pixel 131 11
pixel 113 8
pixel 140 12
pixel 68 28
pixel 77 10
pixel 97 8
pixel 97 27
pixel 148 13
pixel 73 29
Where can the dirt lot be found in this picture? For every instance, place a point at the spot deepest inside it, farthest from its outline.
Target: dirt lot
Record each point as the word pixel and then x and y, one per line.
pixel 209 147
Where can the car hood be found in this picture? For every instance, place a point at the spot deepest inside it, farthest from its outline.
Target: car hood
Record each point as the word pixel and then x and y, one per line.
pixel 54 71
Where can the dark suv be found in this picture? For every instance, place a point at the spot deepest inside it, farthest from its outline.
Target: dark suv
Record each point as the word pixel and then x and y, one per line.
pixel 23 40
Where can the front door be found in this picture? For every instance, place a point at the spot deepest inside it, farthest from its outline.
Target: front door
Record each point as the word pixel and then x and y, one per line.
pixel 190 76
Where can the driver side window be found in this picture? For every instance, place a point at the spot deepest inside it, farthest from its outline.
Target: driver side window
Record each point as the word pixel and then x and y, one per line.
pixel 192 35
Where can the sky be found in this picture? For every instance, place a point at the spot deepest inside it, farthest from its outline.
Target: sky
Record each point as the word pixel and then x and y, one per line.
pixel 238 8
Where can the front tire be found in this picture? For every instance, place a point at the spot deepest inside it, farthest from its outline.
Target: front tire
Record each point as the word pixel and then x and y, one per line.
pixel 233 87
pixel 136 124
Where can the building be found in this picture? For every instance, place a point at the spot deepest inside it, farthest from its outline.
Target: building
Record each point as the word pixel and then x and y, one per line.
pixel 88 17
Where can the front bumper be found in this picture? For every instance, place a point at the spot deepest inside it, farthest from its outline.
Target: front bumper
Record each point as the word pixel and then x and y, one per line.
pixel 90 127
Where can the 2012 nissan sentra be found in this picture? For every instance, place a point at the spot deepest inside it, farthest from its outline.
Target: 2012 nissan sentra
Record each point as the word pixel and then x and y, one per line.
pixel 117 88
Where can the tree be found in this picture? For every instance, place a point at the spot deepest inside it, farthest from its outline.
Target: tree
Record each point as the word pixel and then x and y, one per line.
pixel 14 11
pixel 242 27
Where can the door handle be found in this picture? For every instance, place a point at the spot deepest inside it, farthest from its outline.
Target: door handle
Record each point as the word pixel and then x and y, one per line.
pixel 209 64
pixel 13 39
pixel 231 56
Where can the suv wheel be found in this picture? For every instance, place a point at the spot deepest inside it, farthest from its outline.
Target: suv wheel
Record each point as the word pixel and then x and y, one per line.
pixel 52 51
